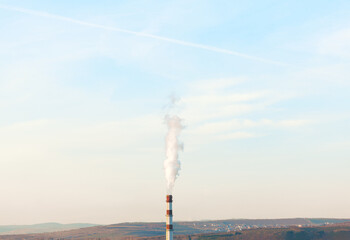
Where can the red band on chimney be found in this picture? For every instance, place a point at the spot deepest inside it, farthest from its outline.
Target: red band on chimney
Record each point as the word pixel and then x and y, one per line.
pixel 169 198
pixel 169 212
pixel 169 227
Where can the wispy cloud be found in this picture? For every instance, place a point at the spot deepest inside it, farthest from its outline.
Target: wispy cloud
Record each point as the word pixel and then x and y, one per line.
pixel 238 124
pixel 142 34
pixel 205 107
pixel 236 135
pixel 336 43
pixel 219 110
pixel 217 85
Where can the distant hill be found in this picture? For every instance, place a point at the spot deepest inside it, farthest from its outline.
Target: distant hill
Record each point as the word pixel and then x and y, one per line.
pixel 273 229
pixel 40 228
pixel 329 232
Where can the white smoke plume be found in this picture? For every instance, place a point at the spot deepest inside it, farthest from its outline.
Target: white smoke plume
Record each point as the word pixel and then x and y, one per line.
pixel 173 146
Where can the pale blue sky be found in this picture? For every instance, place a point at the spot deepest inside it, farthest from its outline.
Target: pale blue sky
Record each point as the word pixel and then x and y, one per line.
pixel 264 88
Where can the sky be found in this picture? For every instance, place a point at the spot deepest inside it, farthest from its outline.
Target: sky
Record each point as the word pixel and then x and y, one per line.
pixel 263 92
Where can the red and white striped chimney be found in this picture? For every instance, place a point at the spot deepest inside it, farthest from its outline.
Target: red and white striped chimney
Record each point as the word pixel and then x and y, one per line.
pixel 169 217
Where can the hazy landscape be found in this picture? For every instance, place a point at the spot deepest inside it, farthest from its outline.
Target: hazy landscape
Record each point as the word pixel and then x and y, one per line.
pixel 40 228
pixel 242 229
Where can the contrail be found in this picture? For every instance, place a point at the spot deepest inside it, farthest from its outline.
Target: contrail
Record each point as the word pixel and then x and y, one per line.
pixel 141 34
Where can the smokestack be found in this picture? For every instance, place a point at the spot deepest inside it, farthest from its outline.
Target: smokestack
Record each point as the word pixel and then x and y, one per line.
pixel 169 217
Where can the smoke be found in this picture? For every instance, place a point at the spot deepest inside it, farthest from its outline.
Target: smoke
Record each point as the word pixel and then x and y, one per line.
pixel 173 146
